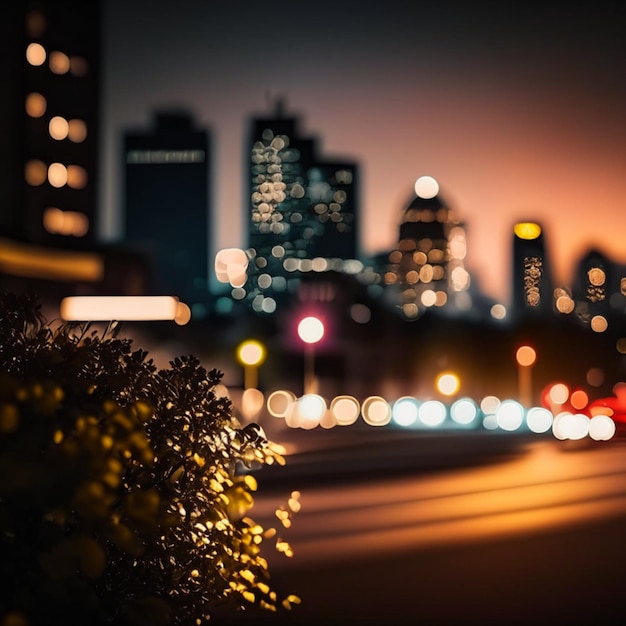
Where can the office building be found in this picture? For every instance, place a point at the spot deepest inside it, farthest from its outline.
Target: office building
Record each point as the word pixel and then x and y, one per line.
pixel 301 212
pixel 427 269
pixel 166 206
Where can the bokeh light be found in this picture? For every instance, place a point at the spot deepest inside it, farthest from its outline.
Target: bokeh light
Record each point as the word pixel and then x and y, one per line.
pixel 376 411
pixel 432 413
pixel 510 415
pixel 310 329
pixel 464 411
pixel 346 410
pixel 405 411
pixel 448 383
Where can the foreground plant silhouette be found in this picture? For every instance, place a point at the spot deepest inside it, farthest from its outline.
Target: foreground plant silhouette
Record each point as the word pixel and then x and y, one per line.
pixel 124 490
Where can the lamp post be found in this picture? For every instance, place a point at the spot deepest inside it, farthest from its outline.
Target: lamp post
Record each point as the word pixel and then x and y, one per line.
pixel 525 357
pixel 311 331
pixel 251 354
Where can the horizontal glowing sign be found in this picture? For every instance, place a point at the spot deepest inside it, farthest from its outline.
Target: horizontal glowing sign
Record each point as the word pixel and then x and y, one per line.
pixel 165 156
pixel 118 308
pixel 31 261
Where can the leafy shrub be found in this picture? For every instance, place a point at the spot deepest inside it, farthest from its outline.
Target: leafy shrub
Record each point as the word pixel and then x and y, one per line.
pixel 124 490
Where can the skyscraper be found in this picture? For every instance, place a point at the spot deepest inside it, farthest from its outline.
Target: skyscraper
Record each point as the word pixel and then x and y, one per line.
pixel 301 211
pixel 427 269
pixel 532 284
pixel 166 205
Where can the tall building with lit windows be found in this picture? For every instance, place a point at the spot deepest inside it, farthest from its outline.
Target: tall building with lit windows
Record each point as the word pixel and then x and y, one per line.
pixel 166 205
pixel 532 283
pixel 301 212
pixel 427 269
pixel 50 111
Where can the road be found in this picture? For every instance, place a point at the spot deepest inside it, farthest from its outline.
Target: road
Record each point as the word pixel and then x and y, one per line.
pixel 449 530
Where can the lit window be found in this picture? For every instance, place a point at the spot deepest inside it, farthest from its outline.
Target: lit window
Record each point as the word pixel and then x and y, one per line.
pixel 57 174
pixel 36 54
pixel 35 23
pixel 35 172
pixel 70 223
pixel 58 128
pixel 77 130
pixel 78 66
pixel 35 104
pixel 59 62
pixel 76 177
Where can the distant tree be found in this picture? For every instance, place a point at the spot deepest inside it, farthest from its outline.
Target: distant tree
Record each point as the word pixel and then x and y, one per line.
pixel 124 490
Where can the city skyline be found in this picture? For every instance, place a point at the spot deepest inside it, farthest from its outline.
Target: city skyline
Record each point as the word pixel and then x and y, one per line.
pixel 512 116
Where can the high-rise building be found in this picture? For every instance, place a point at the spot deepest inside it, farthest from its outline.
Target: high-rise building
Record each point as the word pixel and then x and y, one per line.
pixel 532 284
pixel 51 66
pixel 166 206
pixel 427 269
pixel 301 211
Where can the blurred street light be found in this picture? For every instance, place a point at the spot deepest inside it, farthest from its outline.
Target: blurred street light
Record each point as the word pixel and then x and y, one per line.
pixel 310 331
pixel 251 354
pixel 525 358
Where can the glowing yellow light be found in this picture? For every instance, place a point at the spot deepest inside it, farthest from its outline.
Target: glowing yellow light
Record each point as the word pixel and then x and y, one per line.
pixel 119 308
pixel 448 383
pixel 525 356
pixel 251 352
pixel 310 329
pixel 527 230
pixel 36 262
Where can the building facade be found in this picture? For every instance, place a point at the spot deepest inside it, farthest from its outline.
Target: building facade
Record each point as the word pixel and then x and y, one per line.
pixel 52 99
pixel 301 212
pixel 427 269
pixel 166 206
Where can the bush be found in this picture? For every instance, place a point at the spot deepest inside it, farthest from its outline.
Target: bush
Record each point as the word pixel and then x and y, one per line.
pixel 124 490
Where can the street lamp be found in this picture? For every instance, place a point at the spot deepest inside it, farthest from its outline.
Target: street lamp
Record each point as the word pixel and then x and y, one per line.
pixel 251 354
pixel 525 357
pixel 311 331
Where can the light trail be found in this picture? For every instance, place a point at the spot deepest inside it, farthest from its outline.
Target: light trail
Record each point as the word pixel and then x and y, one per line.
pixel 545 489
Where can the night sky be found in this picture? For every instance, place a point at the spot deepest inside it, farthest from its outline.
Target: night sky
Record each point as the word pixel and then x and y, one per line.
pixel 518 111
